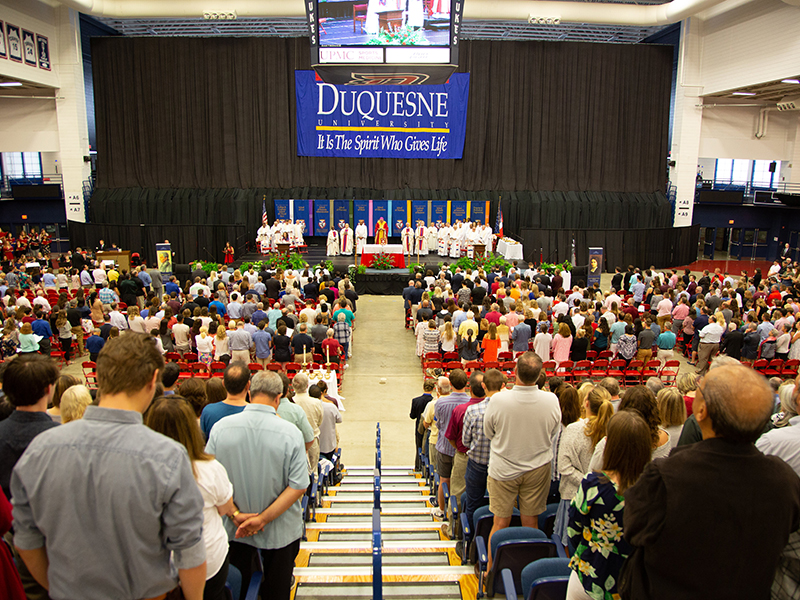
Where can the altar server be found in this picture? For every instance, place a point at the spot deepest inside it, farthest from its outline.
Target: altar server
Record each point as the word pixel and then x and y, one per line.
pixel 333 242
pixel 361 236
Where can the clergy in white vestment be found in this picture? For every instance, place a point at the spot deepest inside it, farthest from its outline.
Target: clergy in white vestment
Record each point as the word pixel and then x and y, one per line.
pixel 444 239
pixel 361 236
pixel 421 239
pixel 433 238
pixel 346 240
pixel 407 236
pixel 333 243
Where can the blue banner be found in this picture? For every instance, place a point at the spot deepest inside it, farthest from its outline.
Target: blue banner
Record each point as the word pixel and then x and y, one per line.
pixel 164 256
pixel 399 216
pixel 439 211
pixel 301 213
pixel 458 211
pixel 381 121
pixel 419 212
pixel 361 212
pixel 281 209
pixel 322 217
pixel 380 208
pixel 341 213
pixel 477 211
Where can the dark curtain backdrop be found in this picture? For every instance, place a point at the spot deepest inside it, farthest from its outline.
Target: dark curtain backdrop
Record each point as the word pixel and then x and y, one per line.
pixel 662 247
pixel 219 113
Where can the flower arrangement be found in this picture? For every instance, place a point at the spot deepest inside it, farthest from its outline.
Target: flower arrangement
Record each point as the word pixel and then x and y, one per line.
pixel 207 266
pixel 383 262
pixel 399 36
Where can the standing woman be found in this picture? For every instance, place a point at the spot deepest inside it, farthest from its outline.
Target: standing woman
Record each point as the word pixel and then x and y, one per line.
pixel 562 343
pixel 431 337
pixel 468 347
pixel 503 333
pixel 205 346
pixel 448 338
pixel 490 344
pixel 64 335
pixel 575 452
pixel 173 417
pixel 221 346
pixel 596 513
pixel 228 253
pixel 794 348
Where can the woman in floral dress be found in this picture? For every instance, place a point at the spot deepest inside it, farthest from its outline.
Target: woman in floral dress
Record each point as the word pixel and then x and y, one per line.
pixel 596 514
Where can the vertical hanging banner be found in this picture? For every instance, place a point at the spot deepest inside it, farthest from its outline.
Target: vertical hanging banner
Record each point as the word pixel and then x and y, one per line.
pixel 458 210
pixel 322 217
pixel 439 211
pixel 281 210
pixel 341 213
pixel 361 212
pixel 419 212
pixel 300 213
pixel 477 211
pixel 399 217
pixel 380 208
pixel 381 121
pixel 164 259
pixel 595 266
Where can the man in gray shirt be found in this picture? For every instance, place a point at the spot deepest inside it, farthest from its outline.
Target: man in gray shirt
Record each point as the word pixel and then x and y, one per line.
pixel 104 507
pixel 240 342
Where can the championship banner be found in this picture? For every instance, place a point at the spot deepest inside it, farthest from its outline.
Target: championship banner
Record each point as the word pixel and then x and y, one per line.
pixel 439 211
pixel 458 210
pixel 341 213
pixel 595 266
pixel 419 212
pixel 322 217
pixel 281 210
pixel 301 210
pixel 164 259
pixel 381 121
pixel 361 212
pixel 380 208
pixel 399 217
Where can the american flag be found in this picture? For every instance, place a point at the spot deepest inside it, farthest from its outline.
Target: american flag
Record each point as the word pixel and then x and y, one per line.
pixel 498 224
pixel 264 211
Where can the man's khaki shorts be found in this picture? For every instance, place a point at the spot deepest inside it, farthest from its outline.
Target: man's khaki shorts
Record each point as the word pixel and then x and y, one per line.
pixel 531 487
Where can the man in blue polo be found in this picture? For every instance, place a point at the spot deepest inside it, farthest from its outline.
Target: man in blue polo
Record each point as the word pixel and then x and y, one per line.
pixel 244 443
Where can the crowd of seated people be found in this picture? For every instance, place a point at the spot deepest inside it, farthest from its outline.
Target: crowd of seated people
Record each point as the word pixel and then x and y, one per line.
pixel 90 473
pixel 576 451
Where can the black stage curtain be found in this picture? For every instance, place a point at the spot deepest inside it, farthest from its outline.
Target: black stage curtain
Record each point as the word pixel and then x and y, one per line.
pixel 219 113
pixel 661 247
pixel 189 242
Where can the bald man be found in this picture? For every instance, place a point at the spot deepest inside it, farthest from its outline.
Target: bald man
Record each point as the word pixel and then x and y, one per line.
pixel 711 520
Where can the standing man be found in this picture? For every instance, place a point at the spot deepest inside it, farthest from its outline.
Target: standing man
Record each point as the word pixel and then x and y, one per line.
pixel 244 443
pixel 710 337
pixel 346 240
pixel 421 239
pixel 444 449
pixel 520 423
pixel 236 379
pixel 361 236
pixel 418 405
pixel 239 343
pixel 711 489
pixel 473 438
pixel 135 511
pixel 407 237
pixel 453 434
pixel 313 409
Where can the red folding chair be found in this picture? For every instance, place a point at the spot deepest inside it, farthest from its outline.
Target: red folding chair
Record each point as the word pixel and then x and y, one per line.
pixel 633 374
pixel 190 357
pixel 605 354
pixel 450 356
pixel 599 368
pixel 292 368
pixel 217 367
pixel 90 374
pixel 255 368
pixel 274 366
pixel 200 370
pixel 669 372
pixel 172 357
pixel 789 368
pixel 505 356
pixel 774 368
pixel 581 370
pixel 651 369
pixel 564 370
pixel 549 368
pixel 761 365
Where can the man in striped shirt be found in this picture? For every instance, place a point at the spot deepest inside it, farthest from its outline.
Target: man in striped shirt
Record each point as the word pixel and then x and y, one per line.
pixel 473 437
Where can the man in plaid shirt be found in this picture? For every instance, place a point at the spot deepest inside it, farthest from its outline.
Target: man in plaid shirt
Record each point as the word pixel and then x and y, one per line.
pixel 479 446
pixel 107 295
pixel 341 333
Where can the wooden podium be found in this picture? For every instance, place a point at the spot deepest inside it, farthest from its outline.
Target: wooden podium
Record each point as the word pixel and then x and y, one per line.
pixel 121 257
pixel 283 247
pixel 479 249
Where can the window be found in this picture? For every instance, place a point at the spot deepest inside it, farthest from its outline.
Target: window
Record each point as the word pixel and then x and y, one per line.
pixel 762 177
pixel 735 171
pixel 19 165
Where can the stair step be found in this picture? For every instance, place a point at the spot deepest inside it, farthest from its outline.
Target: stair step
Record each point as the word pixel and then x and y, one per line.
pixel 366 511
pixel 408 537
pixel 389 547
pixel 384 480
pixel 428 573
pixel 383 468
pixel 367 526
pixel 385 518
pixel 391 591
pixel 369 498
pixel 356 487
pixel 427 559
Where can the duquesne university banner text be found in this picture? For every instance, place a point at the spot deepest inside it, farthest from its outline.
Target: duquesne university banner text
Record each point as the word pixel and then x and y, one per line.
pixel 381 121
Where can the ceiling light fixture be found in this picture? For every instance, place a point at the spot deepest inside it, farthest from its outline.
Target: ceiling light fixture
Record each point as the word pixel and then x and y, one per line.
pixel 743 94
pixel 11 84
pixel 790 80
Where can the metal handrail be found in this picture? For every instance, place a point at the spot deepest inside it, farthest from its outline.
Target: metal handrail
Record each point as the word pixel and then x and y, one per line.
pixel 377 543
